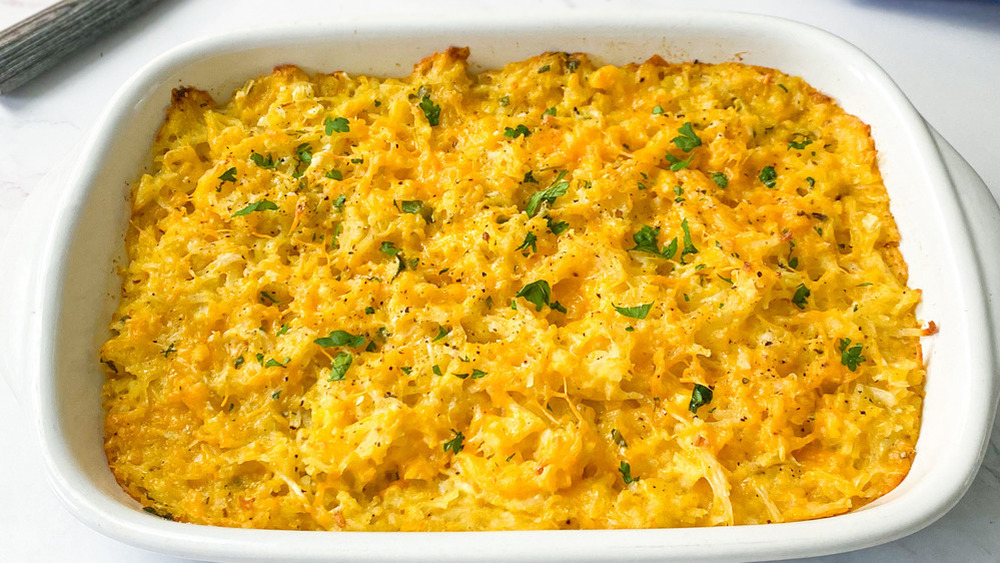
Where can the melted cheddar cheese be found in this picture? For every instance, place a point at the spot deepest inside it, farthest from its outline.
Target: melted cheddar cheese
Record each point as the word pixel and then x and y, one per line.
pixel 552 295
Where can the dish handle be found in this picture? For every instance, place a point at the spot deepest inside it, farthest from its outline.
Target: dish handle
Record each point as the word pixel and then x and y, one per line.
pixel 982 215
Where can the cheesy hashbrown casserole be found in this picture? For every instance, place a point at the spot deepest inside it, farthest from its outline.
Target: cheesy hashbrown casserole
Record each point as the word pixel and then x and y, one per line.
pixel 553 295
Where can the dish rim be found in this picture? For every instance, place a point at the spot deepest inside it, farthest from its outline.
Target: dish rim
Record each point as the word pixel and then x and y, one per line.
pixel 853 530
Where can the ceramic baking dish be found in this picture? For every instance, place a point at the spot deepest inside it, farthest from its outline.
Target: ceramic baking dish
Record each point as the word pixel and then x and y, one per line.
pixel 62 254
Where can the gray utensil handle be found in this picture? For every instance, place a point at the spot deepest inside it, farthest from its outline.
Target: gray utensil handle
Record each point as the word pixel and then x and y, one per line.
pixel 37 43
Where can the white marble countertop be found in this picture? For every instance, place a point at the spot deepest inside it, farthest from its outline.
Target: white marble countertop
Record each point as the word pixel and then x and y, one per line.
pixel 944 54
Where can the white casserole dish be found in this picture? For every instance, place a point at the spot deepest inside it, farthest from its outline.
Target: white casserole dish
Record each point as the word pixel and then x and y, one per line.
pixel 63 251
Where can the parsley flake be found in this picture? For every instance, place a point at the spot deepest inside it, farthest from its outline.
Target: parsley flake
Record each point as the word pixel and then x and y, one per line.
pixel 700 396
pixel 431 110
pixel 338 369
pixel 340 338
pixel 768 176
pixel 262 205
pixel 689 247
pixel 556 227
pixel 334 175
pixel 688 139
pixel 436 369
pixel 799 145
pixel 229 175
pixel 551 111
pixel 801 293
pixel 339 124
pixel 657 110
pixel 514 132
pixel 389 248
pixel 529 241
pixel 637 312
pixel 850 356
pixel 678 164
pixel 537 293
pixel 626 470
pixel 272 363
pixel 548 195
pixel 442 332
pixel 455 444
pixel 720 179
pixel 261 161
pixel 618 439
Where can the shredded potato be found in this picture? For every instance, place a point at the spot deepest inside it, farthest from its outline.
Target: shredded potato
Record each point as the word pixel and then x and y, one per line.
pixel 552 295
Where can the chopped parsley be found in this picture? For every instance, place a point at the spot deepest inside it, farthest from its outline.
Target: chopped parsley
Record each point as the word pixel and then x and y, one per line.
pixel 442 332
pixel 389 248
pixel 406 369
pixel 265 296
pixel 272 363
pixel 339 203
pixel 417 207
pixel 514 132
pixel 557 306
pixel 850 356
pixel 657 110
pixel 276 394
pixel 262 205
pixel 340 338
pixel 551 111
pixel 505 101
pixel 544 69
pixel 700 396
pixel 411 206
pixel 645 241
pixel 626 470
pixel 169 350
pixel 238 362
pixel 282 330
pixel 338 369
pixel 556 227
pixel 537 293
pixel 229 175
pixel 431 110
pixel 304 153
pixel 768 176
pixel 262 162
pixel 720 179
pixel 369 310
pixel 678 164
pixel 689 247
pixel 529 241
pixel 637 312
pixel 616 436
pixel 335 175
pixel 529 178
pixel 799 145
pixel 548 195
pixel 455 444
pixel 688 139
pixel 436 369
pixel 801 293
pixel 339 125
pixel 476 374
